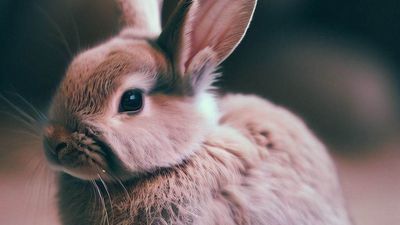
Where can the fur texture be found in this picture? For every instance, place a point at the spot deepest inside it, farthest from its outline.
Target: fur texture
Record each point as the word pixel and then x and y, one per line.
pixel 187 157
pixel 247 172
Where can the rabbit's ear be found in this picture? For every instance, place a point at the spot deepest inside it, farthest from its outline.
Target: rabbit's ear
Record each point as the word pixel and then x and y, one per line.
pixel 142 16
pixel 205 32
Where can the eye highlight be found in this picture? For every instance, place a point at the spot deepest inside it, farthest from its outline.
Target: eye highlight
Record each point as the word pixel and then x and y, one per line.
pixel 131 101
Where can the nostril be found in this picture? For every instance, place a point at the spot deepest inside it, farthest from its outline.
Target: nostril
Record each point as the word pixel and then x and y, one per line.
pixel 60 147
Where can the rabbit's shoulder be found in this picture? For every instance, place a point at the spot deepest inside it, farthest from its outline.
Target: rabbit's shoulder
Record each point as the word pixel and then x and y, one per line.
pixel 287 145
pixel 264 123
pixel 294 167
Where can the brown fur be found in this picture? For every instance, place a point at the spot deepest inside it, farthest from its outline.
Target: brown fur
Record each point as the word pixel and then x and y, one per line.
pixel 101 71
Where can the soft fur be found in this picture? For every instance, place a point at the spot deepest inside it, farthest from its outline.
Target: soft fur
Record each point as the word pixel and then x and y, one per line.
pixel 187 157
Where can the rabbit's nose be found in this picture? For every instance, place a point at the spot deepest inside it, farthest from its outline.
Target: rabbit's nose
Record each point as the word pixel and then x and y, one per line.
pixel 55 139
pixel 60 146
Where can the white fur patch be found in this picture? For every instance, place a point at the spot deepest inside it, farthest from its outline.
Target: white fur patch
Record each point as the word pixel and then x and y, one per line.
pixel 207 105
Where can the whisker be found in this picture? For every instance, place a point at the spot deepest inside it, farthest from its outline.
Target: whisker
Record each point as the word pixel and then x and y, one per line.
pixel 121 184
pixel 108 194
pixel 41 192
pixel 56 46
pixel 98 193
pixel 32 190
pixel 37 112
pixel 57 29
pixel 93 194
pixel 17 109
pixel 35 137
pixel 76 31
pixel 29 126
pixel 27 132
pixel 49 188
pixel 105 213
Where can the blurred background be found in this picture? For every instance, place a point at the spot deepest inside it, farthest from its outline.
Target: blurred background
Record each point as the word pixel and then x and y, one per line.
pixel 335 63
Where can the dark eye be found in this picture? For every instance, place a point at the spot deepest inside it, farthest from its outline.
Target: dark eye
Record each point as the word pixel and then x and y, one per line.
pixel 131 101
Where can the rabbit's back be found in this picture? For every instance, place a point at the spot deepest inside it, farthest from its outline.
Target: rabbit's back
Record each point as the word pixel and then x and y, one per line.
pixel 294 180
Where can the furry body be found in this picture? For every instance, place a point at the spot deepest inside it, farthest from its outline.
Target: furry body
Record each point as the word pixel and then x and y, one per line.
pixel 183 157
pixel 260 165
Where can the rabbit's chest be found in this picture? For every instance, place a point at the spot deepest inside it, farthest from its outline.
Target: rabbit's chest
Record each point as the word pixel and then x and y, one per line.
pixel 214 207
pixel 202 192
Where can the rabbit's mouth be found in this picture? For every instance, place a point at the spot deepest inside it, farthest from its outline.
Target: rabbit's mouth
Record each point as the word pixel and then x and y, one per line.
pixel 79 155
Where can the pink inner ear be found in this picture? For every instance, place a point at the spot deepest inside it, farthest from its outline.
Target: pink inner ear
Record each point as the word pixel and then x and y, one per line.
pixel 219 24
pixel 209 23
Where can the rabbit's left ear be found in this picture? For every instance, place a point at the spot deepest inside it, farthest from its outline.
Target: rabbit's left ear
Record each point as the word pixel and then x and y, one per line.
pixel 202 33
pixel 142 17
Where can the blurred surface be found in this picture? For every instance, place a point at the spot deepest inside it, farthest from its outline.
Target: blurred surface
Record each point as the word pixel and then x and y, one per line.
pixel 371 184
pixel 336 63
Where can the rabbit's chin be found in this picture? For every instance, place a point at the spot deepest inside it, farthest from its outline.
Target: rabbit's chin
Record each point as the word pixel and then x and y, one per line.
pixel 92 173
pixel 85 173
pixel 88 171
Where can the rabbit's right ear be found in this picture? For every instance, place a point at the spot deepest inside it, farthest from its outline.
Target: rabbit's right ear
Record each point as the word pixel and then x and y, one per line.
pixel 202 33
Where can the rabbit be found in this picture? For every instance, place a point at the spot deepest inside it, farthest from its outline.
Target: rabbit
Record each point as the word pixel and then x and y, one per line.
pixel 138 134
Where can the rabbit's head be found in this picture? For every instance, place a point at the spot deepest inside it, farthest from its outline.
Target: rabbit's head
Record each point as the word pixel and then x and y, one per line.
pixel 140 101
